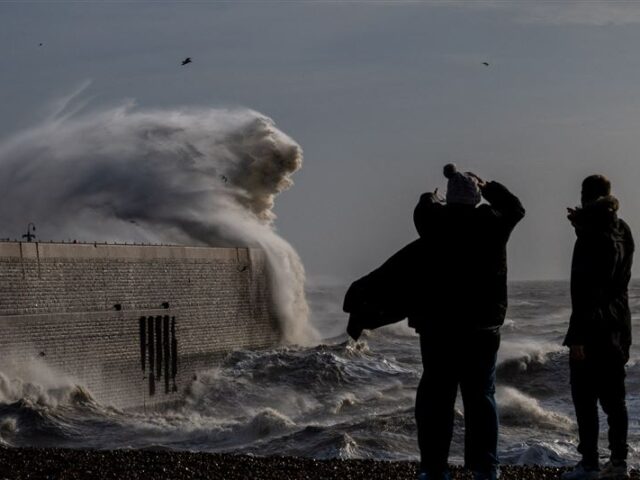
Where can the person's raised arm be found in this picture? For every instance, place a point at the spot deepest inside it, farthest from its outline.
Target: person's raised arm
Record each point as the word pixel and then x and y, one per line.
pixel 505 204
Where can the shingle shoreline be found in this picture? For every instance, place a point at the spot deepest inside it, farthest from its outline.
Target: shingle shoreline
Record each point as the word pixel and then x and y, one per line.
pixel 66 464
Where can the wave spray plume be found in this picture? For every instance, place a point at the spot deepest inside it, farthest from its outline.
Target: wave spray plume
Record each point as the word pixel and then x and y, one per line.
pixel 186 176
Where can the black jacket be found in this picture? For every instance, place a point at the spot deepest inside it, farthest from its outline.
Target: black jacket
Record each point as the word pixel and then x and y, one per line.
pixel 389 293
pixel 453 277
pixel 468 260
pixel 600 274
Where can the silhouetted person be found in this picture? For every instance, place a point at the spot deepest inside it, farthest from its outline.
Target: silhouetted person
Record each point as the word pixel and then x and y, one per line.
pixel 460 317
pixel 599 334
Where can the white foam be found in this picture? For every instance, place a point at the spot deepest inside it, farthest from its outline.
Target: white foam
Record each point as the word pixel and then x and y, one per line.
pixel 518 409
pixel 35 382
pixel 526 350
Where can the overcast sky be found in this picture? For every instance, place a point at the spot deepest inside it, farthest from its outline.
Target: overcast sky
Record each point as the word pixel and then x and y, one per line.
pixel 379 95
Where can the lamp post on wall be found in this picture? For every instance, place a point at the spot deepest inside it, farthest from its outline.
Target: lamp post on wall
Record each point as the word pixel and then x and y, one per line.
pixel 31 229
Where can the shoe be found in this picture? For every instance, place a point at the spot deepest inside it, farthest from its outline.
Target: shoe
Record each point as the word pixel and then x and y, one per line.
pixel 431 476
pixel 614 470
pixel 492 475
pixel 582 472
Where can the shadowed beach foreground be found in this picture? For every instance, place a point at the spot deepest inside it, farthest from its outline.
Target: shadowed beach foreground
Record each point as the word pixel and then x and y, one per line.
pixel 54 464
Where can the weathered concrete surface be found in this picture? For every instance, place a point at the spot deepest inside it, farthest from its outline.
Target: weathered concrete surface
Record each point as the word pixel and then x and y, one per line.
pixel 110 315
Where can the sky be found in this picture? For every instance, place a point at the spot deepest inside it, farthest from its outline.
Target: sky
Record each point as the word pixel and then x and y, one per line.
pixel 380 95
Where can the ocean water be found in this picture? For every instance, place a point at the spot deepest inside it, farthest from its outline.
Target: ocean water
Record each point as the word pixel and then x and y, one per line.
pixel 339 399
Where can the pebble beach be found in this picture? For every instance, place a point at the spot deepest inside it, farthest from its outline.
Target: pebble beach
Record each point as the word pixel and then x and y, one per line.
pixel 67 464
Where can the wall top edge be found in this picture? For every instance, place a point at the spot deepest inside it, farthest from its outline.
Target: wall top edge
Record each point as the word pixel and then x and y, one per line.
pixel 39 250
pixel 113 315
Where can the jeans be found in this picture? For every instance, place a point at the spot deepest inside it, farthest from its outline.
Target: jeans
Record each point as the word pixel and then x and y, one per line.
pixel 600 376
pixel 468 360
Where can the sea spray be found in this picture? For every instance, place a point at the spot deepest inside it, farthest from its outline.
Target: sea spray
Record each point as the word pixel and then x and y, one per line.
pixel 30 381
pixel 518 409
pixel 189 176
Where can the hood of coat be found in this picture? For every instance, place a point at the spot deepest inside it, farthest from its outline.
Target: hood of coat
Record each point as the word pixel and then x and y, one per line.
pixel 599 215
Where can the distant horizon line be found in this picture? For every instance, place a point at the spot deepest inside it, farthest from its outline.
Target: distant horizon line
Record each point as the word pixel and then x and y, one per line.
pixel 338 282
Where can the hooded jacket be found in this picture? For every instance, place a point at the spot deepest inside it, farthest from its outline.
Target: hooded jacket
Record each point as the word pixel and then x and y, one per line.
pixel 600 275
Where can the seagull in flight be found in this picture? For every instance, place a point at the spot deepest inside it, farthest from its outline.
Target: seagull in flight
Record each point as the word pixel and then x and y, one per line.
pixel 186 60
pixel 486 64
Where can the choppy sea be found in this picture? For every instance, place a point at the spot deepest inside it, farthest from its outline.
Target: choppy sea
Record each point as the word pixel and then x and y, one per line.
pixel 338 399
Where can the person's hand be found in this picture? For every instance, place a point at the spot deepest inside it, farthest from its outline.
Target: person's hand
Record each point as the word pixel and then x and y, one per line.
pixel 572 213
pixel 480 181
pixel 433 197
pixel 577 352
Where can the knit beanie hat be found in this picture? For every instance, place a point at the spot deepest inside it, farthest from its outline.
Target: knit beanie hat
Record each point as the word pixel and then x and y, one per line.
pixel 462 188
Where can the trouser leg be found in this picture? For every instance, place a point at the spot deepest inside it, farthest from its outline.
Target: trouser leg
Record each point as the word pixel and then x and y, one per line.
pixel 585 402
pixel 477 385
pixel 435 402
pixel 612 398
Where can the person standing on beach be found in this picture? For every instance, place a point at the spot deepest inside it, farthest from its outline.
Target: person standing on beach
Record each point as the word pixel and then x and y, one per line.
pixel 599 335
pixel 460 317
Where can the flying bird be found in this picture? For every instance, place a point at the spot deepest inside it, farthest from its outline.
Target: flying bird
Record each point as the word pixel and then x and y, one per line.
pixel 40 44
pixel 486 64
pixel 186 60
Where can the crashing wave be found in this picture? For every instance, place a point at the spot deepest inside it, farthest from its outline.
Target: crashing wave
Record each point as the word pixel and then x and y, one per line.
pixel 199 176
pixel 519 410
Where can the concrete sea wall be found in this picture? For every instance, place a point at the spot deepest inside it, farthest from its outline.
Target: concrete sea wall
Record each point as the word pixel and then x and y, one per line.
pixel 133 324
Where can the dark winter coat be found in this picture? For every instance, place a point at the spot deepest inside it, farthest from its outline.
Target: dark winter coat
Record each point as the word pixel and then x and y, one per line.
pixel 453 277
pixel 468 260
pixel 389 293
pixel 600 274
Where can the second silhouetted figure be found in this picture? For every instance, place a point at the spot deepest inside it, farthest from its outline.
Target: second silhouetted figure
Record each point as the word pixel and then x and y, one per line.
pixel 599 334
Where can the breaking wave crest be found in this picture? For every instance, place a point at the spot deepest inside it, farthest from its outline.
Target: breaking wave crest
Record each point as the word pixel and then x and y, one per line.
pixel 539 369
pixel 518 409
pixel 33 382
